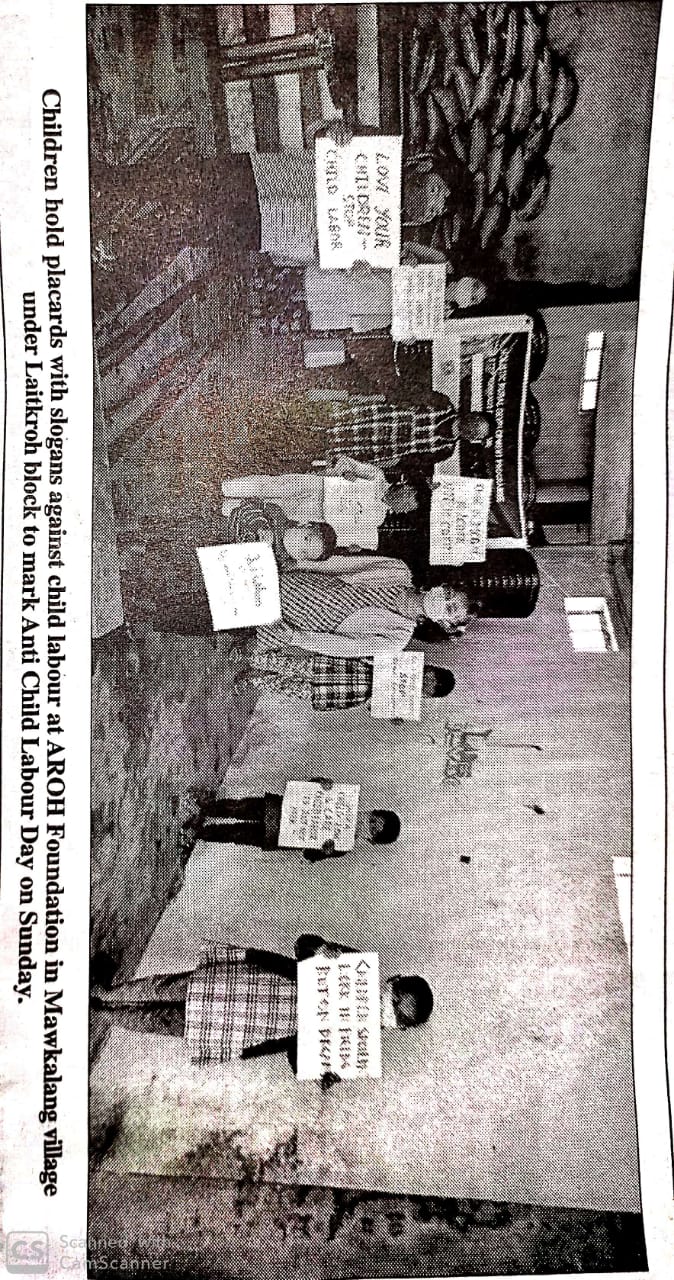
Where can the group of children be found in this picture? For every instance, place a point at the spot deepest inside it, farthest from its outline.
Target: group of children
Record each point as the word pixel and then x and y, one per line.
pixel 342 608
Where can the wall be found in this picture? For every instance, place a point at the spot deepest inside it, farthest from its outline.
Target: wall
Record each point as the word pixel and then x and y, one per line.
pixel 591 228
pixel 519 1088
pixel 566 448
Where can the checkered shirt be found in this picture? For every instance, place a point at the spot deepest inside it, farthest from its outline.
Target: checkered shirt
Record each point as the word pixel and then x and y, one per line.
pixel 338 683
pixel 322 602
pixel 389 434
pixel 233 1005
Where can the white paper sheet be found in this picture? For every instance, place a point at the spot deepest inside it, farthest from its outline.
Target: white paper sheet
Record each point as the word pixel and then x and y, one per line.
pixel 358 194
pixel 339 1020
pixel 459 514
pixel 354 510
pixel 397 686
pixel 311 815
pixel 418 302
pixel 242 584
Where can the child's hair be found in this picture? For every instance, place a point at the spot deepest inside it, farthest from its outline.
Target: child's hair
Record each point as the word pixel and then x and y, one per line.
pixel 416 990
pixel 328 535
pixel 444 682
pixel 427 629
pixel 391 826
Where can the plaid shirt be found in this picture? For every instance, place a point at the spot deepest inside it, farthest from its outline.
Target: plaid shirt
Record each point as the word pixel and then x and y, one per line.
pixel 322 602
pixel 338 683
pixel 389 434
pixel 233 1005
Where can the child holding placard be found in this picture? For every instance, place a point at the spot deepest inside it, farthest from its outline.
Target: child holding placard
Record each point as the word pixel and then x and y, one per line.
pixel 258 820
pixel 241 1002
pixel 328 683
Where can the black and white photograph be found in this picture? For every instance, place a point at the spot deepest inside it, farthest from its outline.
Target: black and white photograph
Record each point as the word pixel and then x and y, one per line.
pixel 328 640
pixel 437 451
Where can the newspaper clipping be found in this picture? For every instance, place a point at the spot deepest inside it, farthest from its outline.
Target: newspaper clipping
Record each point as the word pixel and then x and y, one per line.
pixel 333 911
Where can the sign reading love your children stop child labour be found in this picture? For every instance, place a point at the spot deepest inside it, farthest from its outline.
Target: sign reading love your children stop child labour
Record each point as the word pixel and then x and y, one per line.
pixel 311 815
pixel 397 686
pixel 459 515
pixel 242 584
pixel 338 1017
pixel 358 188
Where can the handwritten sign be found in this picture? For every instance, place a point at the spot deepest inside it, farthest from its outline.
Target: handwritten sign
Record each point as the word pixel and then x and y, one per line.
pixel 358 189
pixel 354 510
pixel 242 584
pixel 338 1017
pixel 418 302
pixel 397 686
pixel 459 514
pixel 310 815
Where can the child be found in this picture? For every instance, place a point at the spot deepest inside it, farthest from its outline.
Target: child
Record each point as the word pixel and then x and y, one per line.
pixel 293 541
pixel 256 820
pixel 329 684
pixel 242 1002
pixel 299 498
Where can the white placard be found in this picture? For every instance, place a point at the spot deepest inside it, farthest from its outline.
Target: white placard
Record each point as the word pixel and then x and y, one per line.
pixel 242 584
pixel 358 190
pixel 418 302
pixel 397 686
pixel 459 514
pixel 339 1017
pixel 310 815
pixel 354 510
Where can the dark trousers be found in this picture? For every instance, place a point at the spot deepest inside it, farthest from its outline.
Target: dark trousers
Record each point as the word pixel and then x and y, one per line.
pixel 155 1004
pixel 256 821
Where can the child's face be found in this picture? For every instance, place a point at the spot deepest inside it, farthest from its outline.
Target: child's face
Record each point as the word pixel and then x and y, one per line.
pixel 426 197
pixel 388 1013
pixel 375 825
pixel 369 825
pixel 396 1009
pixel 447 607
pixel 303 543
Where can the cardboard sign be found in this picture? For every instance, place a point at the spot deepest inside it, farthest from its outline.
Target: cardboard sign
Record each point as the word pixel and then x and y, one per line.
pixel 310 815
pixel 397 686
pixel 418 302
pixel 459 514
pixel 242 584
pixel 354 510
pixel 338 1017
pixel 358 190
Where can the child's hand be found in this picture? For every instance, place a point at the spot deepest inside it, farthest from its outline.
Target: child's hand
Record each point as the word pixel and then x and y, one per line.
pixel 328 1079
pixel 338 131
